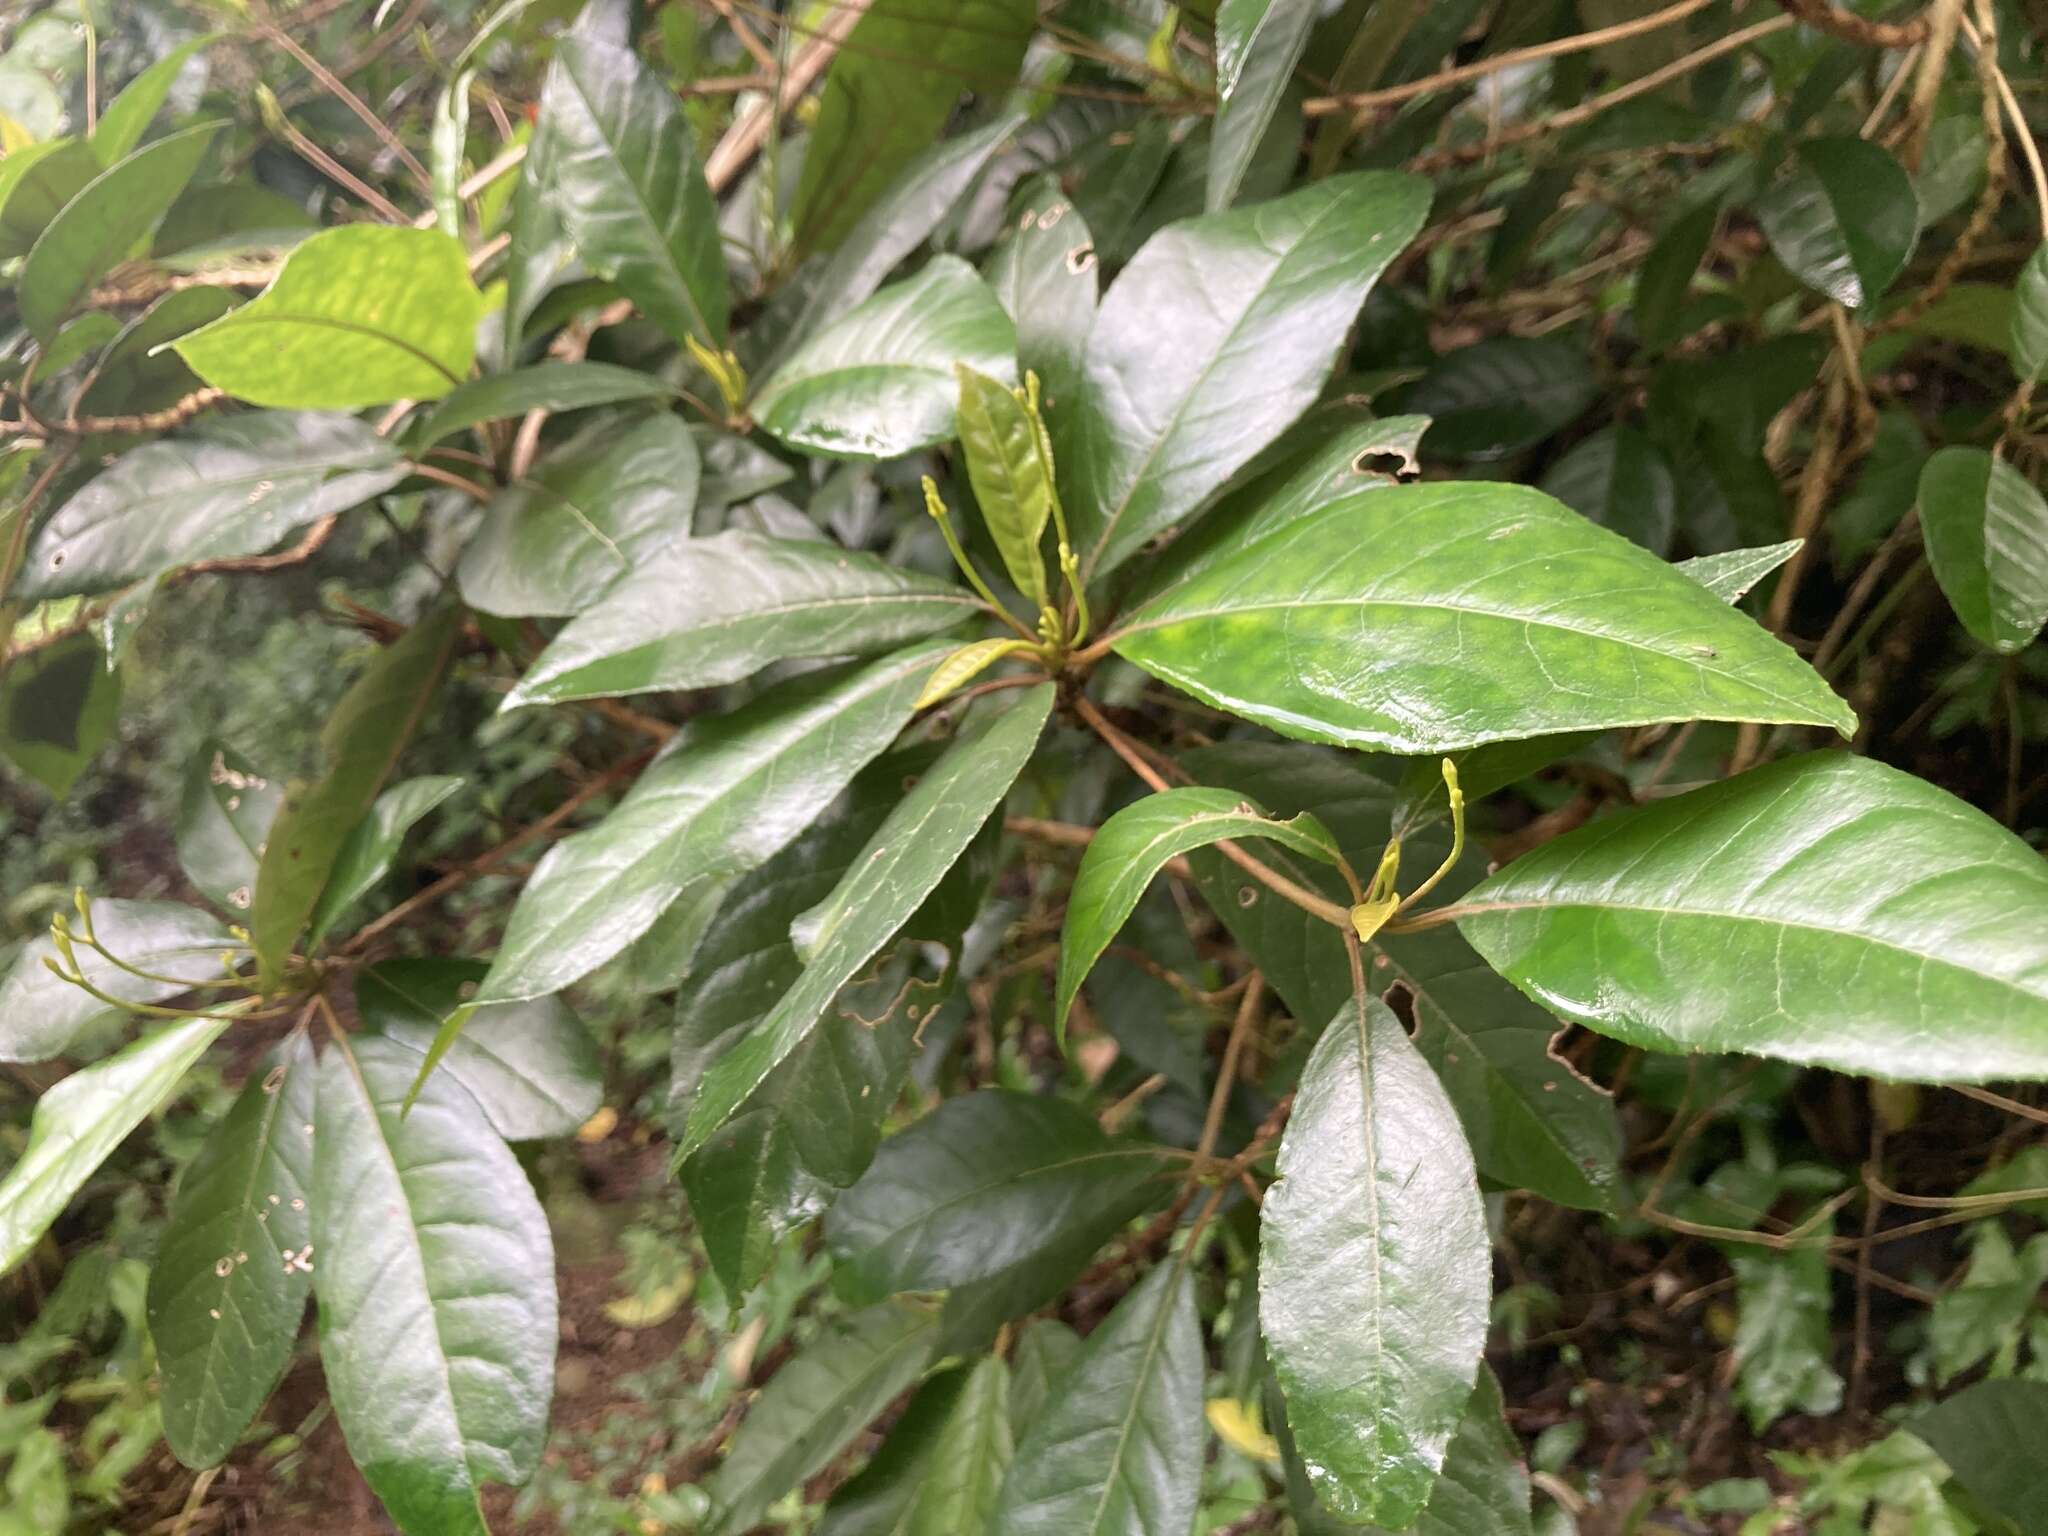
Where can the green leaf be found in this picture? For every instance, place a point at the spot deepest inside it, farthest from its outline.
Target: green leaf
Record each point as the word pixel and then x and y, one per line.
pixel 1731 574
pixel 902 864
pixel 1499 397
pixel 980 1185
pixel 531 1066
pixel 1665 279
pixel 879 381
pixel 1118 1450
pixel 878 1499
pixel 41 1013
pixel 596 509
pixel 1258 44
pixel 1990 1436
pixel 1012 477
pixel 1044 277
pixel 1987 540
pixel 436 1280
pixel 2030 318
pixel 1825 909
pixel 237 488
pixel 891 88
pixel 622 176
pixel 1843 218
pixel 359 316
pixel 815 1405
pixel 1782 1334
pixel 129 114
pixel 1136 843
pixel 1985 1315
pixel 1216 336
pixel 1621 480
pixel 554 387
pixel 133 375
pixel 1418 618
pixel 373 846
pixel 1373 1270
pixel 223 816
pixel 704 612
pixel 729 792
pixel 958 1495
pixel 102 225
pixel 37 182
pixel 58 705
pixel 360 745
pixel 78 1123
pixel 1042 1354
pixel 224 1303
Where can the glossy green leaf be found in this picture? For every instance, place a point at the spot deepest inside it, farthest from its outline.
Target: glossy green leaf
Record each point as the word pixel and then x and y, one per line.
pixel 1782 1336
pixel 531 1066
pixel 704 612
pixel 80 1121
pixel 224 1302
pixel 1426 618
pixel 1136 843
pixel 1118 1450
pixel 236 488
pixel 878 1499
pixel 1731 574
pixel 978 1186
pixel 58 705
pixel 1987 539
pixel 1044 276
pixel 958 1496
pixel 41 1013
pixel 879 381
pixel 360 744
pixel 1825 909
pixel 1665 280
pixel 1843 218
pixel 436 1281
pixel 595 509
pixel 887 97
pixel 2030 318
pixel 1258 44
pixel 903 863
pixel 1990 1436
pixel 815 1405
pixel 359 316
pixel 732 790
pixel 622 176
pixel 1012 476
pixel 133 375
pixel 1216 336
pixel 223 816
pixel 129 114
pixel 102 224
pixel 37 182
pixel 1499 397
pixel 373 847
pixel 554 387
pixel 1373 1270
pixel 1621 480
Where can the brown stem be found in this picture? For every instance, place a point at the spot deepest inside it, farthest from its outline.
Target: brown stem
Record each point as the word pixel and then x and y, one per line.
pixel 1248 1011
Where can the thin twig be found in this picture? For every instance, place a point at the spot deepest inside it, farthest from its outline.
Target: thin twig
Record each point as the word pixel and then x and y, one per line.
pixel 348 98
pixel 1248 1010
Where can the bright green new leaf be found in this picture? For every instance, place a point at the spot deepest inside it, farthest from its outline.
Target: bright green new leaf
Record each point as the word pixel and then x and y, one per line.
pixel 41 1013
pixel 360 744
pixel 1011 472
pixel 1258 44
pixel 1987 538
pixel 129 114
pixel 436 1280
pixel 1825 909
pixel 1215 337
pixel 100 226
pixel 361 315
pixel 966 664
pixel 227 1292
pixel 373 847
pixel 78 1123
pixel 1843 218
pixel 1136 843
pixel 879 381
pixel 1782 1334
pixel 1424 618
pixel 1731 574
pixel 902 864
pixel 704 612
pixel 1118 1448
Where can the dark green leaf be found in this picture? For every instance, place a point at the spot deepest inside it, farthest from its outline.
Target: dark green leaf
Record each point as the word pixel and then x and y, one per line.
pixel 1044 277
pixel 1621 480
pixel 37 182
pixel 224 1302
pixel 877 1500
pixel 223 817
pixel 1418 618
pixel 373 847
pixel 2030 318
pixel 436 1280
pixel 1990 1436
pixel 1217 335
pixel 709 611
pixel 41 1013
pixel 1843 218
pixel 362 315
pixel 902 864
pixel 1118 1450
pixel 1987 539
pixel 1258 43
pixel 555 387
pixel 1825 909
pixel 1497 397
pixel 1665 280
pixel 132 375
pixel 58 705
pixel 81 1120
